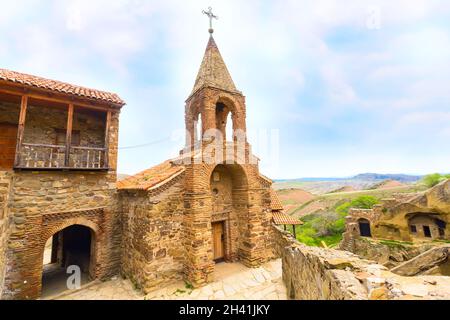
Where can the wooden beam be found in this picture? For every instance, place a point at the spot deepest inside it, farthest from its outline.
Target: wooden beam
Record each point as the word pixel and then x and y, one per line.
pixel 107 125
pixel 21 128
pixel 68 134
pixel 85 103
pixel 295 234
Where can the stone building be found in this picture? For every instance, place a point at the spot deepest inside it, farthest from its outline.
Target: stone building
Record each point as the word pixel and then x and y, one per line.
pixel 61 206
pixel 414 218
pixel 58 154
pixel 210 204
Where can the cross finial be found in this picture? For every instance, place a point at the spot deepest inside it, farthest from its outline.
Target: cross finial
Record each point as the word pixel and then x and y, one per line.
pixel 211 16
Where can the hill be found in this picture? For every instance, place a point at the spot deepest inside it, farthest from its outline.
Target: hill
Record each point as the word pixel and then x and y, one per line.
pixel 344 189
pixel 404 178
pixel 387 184
pixel 292 198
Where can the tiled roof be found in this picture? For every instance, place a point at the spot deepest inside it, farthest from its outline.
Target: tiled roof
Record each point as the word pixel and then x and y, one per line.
pixel 275 203
pixel 213 71
pixel 281 218
pixel 165 172
pixel 58 86
pixel 152 177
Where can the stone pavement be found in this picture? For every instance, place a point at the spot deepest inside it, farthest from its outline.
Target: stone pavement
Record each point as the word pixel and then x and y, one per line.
pixel 233 282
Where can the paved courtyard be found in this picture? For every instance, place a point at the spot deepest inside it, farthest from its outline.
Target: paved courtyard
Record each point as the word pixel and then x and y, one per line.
pixel 233 282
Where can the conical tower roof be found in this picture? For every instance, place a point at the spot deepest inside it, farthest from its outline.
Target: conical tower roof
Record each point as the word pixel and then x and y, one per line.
pixel 213 71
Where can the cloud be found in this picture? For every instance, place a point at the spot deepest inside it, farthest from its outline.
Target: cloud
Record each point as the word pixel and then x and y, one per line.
pixel 317 70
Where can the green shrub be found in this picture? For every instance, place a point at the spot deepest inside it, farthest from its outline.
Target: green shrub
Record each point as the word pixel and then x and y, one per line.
pixel 433 179
pixel 329 226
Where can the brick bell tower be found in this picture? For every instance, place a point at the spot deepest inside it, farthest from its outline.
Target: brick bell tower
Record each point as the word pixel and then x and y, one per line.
pixel 226 201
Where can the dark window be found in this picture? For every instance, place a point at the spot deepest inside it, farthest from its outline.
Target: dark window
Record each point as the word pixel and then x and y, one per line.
pixel 427 231
pixel 61 137
pixel 364 228
pixel 413 229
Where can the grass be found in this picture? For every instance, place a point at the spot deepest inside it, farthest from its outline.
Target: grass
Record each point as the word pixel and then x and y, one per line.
pixel 394 243
pixel 327 227
pixel 332 200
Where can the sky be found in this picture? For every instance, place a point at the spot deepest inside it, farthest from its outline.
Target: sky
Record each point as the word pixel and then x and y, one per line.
pixel 333 88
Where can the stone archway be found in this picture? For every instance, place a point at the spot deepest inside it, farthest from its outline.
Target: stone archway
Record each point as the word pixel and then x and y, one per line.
pixel 71 250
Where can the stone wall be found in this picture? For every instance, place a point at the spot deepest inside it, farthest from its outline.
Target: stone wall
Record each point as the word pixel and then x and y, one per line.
pixel 388 253
pixel 44 202
pixel 152 251
pixel 5 184
pixel 9 112
pixel 42 125
pixel 312 273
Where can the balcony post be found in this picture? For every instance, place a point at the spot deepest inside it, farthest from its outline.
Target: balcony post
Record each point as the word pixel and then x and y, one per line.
pixel 68 135
pixel 21 128
pixel 108 124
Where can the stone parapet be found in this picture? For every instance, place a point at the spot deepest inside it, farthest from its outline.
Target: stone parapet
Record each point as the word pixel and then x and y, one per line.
pixel 312 273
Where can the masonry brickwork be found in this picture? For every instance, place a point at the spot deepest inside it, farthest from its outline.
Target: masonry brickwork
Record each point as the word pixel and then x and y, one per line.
pixel 173 236
pixel 35 204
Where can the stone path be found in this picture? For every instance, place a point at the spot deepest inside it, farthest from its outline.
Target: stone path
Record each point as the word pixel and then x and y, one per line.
pixel 233 282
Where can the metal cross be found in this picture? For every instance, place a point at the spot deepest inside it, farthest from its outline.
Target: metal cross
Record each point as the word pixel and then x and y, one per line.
pixel 211 16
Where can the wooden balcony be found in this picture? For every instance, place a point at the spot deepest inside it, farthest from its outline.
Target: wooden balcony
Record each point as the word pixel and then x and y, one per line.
pixel 54 157
pixel 68 155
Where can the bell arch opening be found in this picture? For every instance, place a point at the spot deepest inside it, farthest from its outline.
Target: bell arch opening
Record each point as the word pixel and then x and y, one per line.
pixel 69 252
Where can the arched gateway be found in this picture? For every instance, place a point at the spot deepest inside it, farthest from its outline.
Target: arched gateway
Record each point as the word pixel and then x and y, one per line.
pixel 70 251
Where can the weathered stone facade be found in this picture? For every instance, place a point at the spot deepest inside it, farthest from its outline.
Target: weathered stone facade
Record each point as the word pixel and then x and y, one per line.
pixel 178 201
pixel 417 218
pixel 312 273
pixel 152 254
pixel 37 203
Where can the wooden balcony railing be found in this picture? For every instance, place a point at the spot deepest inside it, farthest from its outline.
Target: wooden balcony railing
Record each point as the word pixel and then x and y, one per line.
pixel 46 156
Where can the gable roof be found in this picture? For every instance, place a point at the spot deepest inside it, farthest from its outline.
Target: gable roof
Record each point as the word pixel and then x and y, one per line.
pixel 151 178
pixel 275 202
pixel 281 218
pixel 58 86
pixel 213 71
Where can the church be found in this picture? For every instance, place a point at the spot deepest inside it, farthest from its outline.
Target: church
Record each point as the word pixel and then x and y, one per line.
pixel 207 206
pixel 61 204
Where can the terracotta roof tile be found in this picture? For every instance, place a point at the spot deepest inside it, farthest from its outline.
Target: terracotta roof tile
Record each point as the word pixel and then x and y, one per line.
pixel 152 177
pixel 281 218
pixel 275 202
pixel 58 86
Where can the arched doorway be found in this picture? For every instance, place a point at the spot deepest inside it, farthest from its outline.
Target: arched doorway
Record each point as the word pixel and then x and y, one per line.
pixel 229 195
pixel 72 246
pixel 364 228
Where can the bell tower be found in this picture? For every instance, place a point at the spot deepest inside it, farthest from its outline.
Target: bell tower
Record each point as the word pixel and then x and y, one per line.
pixel 226 202
pixel 214 101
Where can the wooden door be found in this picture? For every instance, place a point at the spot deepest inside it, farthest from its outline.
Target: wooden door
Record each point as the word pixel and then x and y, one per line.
pixel 218 241
pixel 8 138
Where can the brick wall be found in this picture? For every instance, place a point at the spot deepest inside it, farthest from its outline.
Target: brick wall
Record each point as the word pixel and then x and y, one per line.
pixel 152 251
